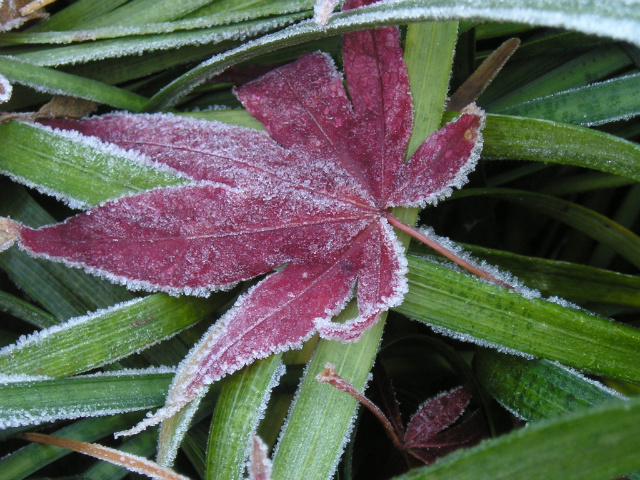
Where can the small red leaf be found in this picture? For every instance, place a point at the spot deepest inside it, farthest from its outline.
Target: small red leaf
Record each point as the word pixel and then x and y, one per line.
pixel 435 415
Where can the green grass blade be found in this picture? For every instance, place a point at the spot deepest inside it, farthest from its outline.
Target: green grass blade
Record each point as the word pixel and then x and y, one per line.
pixel 472 310
pixel 135 44
pixel 52 81
pixel 536 389
pixel 34 402
pixel 216 15
pixel 592 444
pixel 595 104
pixel 137 12
pixel 25 311
pixel 587 221
pixel 522 138
pixel 319 422
pixel 87 342
pixel 240 406
pixel 81 171
pixel 589 67
pixel 78 14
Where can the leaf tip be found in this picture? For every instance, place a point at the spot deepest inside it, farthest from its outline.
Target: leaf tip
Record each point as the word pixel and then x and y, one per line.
pixel 259 463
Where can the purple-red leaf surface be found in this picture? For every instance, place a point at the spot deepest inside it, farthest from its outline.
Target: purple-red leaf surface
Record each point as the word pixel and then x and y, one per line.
pixel 310 195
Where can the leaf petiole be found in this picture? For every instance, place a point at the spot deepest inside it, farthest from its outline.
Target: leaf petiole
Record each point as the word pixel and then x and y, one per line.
pixel 446 252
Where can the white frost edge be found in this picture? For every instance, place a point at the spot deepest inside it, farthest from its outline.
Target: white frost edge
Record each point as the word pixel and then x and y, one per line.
pixel 464 337
pixel 330 330
pixel 5 89
pixel 24 418
pixel 7 379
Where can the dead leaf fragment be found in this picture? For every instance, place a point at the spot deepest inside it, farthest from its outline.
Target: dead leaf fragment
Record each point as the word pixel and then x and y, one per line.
pixel 9 232
pixel 65 106
pixel 14 13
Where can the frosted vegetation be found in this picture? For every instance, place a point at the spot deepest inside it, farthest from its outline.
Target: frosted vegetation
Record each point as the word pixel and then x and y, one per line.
pixel 258 224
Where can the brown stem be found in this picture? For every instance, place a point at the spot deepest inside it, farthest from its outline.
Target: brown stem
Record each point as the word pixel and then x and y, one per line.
pixel 445 251
pixel 329 375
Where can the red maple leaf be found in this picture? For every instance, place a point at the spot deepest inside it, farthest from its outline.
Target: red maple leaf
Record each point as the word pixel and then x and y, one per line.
pixel 313 195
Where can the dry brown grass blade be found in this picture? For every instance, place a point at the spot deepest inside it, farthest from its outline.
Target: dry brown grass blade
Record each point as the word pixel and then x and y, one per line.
pixel 131 462
pixel 479 80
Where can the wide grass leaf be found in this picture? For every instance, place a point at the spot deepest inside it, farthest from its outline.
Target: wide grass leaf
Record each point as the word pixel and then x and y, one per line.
pixel 461 306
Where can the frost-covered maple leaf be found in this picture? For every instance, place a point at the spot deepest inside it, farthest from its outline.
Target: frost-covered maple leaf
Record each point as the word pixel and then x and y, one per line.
pixel 311 196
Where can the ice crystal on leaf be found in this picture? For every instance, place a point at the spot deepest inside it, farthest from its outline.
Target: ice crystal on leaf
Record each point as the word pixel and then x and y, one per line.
pixel 313 195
